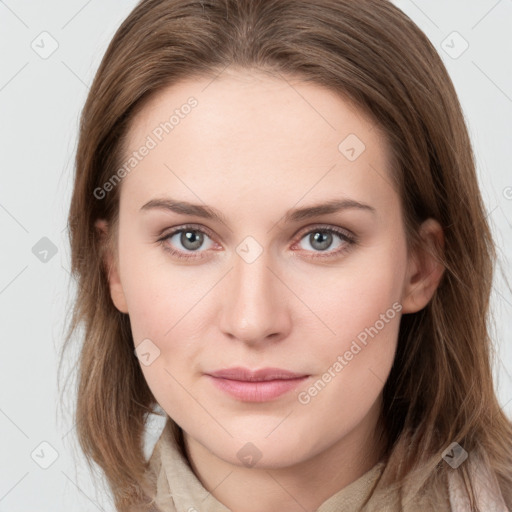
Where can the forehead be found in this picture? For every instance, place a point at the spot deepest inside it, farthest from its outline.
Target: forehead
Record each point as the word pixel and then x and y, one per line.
pixel 249 130
pixel 235 100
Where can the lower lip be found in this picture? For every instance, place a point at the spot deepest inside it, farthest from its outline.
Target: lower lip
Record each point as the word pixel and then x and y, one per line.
pixel 261 391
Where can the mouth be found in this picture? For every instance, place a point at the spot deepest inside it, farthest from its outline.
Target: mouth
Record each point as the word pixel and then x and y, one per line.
pixel 256 385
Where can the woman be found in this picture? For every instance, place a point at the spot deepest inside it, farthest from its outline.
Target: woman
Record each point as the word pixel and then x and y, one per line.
pixel 273 229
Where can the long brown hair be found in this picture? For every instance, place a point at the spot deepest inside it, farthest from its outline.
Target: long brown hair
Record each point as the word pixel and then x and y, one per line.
pixel 440 389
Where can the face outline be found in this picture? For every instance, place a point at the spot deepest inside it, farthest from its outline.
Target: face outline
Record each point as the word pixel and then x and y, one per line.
pixel 238 152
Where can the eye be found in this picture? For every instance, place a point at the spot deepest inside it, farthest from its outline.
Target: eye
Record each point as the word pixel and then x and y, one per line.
pixel 320 239
pixel 190 238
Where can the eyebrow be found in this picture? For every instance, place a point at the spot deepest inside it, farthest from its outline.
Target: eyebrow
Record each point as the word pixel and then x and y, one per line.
pixel 293 215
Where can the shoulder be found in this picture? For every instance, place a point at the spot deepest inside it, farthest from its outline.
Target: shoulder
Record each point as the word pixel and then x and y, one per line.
pixel 488 494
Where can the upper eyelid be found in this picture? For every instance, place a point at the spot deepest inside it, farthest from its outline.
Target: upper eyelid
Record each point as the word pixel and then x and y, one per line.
pixel 191 227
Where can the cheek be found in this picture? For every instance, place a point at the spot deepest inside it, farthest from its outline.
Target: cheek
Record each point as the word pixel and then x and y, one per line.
pixel 356 365
pixel 364 314
pixel 354 297
pixel 155 292
pixel 163 303
pixel 362 353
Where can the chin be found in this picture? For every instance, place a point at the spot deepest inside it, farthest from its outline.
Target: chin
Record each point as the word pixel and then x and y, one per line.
pixel 260 453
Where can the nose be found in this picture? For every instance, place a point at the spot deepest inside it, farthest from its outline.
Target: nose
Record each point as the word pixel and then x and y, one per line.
pixel 254 303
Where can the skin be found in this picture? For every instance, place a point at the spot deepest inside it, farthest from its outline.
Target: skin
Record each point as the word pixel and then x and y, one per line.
pixel 254 147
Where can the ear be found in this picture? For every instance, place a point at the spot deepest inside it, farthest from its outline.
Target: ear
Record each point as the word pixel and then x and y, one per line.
pixel 109 261
pixel 424 268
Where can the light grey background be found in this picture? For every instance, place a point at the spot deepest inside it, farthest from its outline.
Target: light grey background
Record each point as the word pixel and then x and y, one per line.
pixel 40 100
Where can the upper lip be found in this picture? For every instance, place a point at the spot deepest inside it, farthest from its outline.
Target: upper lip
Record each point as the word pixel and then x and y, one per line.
pixel 245 374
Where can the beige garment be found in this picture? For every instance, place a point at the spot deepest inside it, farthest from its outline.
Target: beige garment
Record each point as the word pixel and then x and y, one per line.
pixel 179 490
pixel 486 487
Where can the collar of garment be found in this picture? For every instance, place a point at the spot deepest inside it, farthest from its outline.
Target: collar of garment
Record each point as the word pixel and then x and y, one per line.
pixel 179 489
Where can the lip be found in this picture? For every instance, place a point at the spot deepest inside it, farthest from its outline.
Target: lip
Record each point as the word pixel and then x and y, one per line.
pixel 256 385
pixel 244 374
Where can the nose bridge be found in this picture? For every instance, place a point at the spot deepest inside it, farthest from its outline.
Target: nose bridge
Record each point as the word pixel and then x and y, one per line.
pixel 252 309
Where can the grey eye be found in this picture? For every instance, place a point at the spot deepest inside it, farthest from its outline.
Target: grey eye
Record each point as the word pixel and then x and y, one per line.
pixel 321 240
pixel 189 239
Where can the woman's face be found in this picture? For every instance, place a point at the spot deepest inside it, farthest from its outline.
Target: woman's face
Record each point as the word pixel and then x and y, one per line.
pixel 262 274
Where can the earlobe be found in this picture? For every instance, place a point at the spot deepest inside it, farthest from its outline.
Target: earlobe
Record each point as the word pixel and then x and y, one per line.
pixel 424 269
pixel 114 281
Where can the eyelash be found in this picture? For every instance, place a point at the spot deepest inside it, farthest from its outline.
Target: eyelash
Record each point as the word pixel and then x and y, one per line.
pixel 349 239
